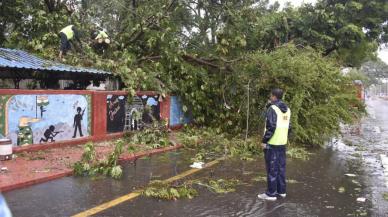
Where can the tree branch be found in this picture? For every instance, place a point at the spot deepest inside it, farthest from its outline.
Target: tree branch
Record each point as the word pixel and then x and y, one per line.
pixel 196 60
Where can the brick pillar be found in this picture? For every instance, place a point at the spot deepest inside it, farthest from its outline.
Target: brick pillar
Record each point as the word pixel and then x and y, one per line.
pixel 165 109
pixel 99 115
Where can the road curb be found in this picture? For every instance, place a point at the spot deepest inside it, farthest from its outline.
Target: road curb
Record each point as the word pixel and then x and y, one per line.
pixel 69 172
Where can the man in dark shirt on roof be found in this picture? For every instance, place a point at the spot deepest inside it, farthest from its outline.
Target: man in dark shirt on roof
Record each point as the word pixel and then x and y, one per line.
pixel 67 34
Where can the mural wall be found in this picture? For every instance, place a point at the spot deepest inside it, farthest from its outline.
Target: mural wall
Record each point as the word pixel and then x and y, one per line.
pixel 125 115
pixel 35 119
pixel 116 113
pixel 177 116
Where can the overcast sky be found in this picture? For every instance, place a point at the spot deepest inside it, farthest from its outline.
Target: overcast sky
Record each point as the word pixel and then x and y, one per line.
pixel 382 53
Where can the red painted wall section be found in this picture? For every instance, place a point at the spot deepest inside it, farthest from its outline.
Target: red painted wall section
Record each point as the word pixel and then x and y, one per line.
pixel 165 109
pixel 99 115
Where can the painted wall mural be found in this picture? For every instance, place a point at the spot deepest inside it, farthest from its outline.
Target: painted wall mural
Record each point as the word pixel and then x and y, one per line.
pixel 177 116
pixel 34 119
pixel 124 116
pixel 116 113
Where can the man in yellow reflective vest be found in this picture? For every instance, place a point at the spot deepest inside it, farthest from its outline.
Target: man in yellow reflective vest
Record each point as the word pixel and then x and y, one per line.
pixel 277 128
pixel 67 34
pixel 101 41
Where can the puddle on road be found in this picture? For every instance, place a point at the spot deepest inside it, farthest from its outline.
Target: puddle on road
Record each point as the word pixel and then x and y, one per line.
pixel 318 188
pixel 370 144
pixel 321 189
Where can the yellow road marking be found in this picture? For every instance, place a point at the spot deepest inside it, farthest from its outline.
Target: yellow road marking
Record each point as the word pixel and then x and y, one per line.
pixel 137 193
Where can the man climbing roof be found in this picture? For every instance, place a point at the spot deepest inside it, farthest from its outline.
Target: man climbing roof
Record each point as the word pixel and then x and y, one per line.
pixel 67 34
pixel 101 40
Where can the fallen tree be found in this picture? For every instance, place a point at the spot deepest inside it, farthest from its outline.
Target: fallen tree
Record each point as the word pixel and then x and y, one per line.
pixel 208 52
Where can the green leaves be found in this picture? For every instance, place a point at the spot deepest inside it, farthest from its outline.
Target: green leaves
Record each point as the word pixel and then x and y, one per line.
pixel 163 190
pixel 206 52
pixel 89 165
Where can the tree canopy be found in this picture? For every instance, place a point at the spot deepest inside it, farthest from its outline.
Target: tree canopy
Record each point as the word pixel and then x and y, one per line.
pixel 210 51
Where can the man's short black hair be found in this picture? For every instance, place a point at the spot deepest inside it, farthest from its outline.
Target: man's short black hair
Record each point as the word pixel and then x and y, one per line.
pixel 277 92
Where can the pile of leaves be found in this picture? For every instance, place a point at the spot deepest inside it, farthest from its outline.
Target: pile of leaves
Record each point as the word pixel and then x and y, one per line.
pixel 89 165
pixel 209 143
pixel 212 142
pixel 163 190
pixel 151 137
pixel 172 191
pixel 154 136
pixel 219 186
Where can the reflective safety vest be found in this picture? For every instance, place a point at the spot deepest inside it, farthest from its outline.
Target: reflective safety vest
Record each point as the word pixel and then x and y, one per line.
pixel 101 35
pixel 68 31
pixel 280 136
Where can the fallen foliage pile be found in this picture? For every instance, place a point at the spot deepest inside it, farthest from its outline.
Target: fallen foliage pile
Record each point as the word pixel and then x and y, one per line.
pixel 172 191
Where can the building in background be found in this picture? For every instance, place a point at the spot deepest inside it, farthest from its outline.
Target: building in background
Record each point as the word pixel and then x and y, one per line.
pixel 21 70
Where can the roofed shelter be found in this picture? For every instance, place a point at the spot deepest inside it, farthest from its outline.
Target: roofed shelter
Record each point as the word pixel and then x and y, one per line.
pixel 18 65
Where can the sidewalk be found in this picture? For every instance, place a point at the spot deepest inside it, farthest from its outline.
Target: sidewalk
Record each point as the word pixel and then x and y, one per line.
pixel 29 168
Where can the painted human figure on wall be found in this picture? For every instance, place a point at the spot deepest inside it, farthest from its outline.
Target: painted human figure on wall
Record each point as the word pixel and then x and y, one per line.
pixel 49 134
pixel 41 102
pixel 42 110
pixel 77 122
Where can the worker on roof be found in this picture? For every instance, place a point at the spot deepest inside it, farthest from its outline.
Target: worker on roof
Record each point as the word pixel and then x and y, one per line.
pixel 100 40
pixel 274 143
pixel 67 35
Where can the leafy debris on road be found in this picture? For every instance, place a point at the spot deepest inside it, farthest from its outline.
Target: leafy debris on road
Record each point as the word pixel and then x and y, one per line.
pixel 173 191
pixel 89 165
pixel 220 186
pixel 209 142
pixel 166 191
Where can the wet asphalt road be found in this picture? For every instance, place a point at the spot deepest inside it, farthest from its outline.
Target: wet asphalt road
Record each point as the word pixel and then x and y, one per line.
pixel 317 192
pixel 368 146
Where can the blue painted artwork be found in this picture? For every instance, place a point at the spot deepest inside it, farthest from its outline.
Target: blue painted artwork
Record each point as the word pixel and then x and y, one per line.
pixel 34 119
pixel 177 116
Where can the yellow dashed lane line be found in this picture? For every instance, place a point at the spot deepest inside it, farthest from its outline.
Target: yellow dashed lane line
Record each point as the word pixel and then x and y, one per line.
pixel 137 193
